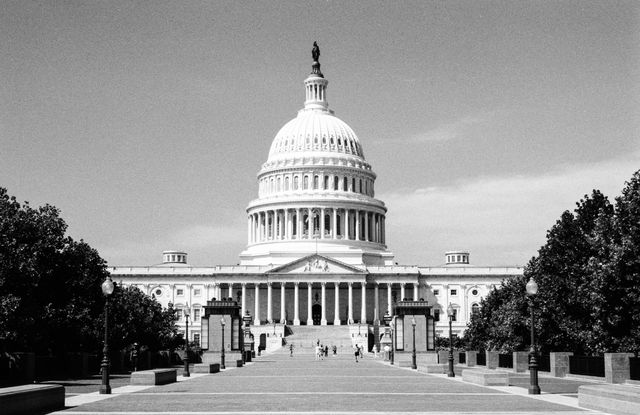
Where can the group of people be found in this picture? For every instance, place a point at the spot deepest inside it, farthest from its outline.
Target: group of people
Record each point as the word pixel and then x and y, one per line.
pixel 322 351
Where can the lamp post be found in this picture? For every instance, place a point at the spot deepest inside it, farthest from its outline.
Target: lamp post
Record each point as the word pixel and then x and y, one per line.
pixel 393 339
pixel 185 372
pixel 246 355
pixel 534 388
pixel 450 313
pixel 414 365
pixel 274 328
pixel 222 322
pixel 107 290
pixel 387 320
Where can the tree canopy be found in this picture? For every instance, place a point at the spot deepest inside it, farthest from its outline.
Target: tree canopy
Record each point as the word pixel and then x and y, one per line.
pixel 588 273
pixel 50 296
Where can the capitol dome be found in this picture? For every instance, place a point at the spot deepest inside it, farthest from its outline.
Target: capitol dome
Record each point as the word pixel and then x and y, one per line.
pixel 316 192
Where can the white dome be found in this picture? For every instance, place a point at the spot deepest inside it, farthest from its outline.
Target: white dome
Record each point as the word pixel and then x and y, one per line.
pixel 315 131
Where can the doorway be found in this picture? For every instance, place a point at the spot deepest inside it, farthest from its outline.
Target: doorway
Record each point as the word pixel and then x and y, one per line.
pixel 316 314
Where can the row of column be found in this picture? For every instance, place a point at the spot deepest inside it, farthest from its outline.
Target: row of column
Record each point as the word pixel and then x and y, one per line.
pixel 323 223
pixel 323 297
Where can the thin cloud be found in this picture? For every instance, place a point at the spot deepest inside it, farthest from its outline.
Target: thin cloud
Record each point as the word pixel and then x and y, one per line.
pixel 501 220
pixel 453 130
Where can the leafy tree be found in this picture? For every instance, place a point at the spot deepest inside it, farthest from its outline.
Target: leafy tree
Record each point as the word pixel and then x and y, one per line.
pixel 50 295
pixel 588 274
pixel 137 318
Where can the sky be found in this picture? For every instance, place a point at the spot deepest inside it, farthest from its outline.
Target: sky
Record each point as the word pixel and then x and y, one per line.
pixel 146 122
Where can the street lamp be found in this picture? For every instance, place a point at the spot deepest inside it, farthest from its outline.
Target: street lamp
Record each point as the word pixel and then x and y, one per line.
pixel 246 355
pixel 185 372
pixel 387 319
pixel 222 322
pixel 107 290
pixel 413 354
pixel 393 339
pixel 534 388
pixel 450 313
pixel 274 328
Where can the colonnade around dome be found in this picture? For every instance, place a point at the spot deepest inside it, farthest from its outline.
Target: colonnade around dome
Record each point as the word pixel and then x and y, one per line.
pixel 290 224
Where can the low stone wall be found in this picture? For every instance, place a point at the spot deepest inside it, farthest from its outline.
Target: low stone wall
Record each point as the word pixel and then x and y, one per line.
pixel 30 399
pixel 613 399
pixel 485 377
pixel 154 377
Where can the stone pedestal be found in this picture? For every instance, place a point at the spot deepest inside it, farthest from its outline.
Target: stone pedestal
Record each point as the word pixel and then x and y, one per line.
pixel 559 363
pixel 443 357
pixel 616 367
pixel 492 359
pixel 472 358
pixel 520 361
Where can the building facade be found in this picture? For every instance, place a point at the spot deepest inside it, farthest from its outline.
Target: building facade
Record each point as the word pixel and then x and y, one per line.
pixel 316 243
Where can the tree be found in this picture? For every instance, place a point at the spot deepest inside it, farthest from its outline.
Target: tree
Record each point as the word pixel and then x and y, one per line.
pixel 588 273
pixel 50 296
pixel 138 318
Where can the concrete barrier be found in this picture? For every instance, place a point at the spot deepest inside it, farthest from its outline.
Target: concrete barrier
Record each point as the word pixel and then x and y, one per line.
pixel 485 377
pixel 613 399
pixel 154 377
pixel 239 363
pixel 436 368
pixel 559 363
pixel 30 399
pixel 206 368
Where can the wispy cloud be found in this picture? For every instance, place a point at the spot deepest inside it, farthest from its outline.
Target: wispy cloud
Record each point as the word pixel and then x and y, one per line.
pixel 455 129
pixel 501 220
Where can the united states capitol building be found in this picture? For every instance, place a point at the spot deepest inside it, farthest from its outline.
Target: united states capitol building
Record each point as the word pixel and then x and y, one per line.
pixel 316 249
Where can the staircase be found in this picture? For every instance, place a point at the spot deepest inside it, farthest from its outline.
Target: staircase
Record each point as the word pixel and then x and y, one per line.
pixel 304 338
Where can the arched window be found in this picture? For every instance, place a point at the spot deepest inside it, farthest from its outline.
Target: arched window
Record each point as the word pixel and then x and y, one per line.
pixel 279 184
pixel 475 309
pixel 353 184
pixel 360 186
pixel 344 184
pixel 336 183
pixel 315 182
pixel 326 183
pixel 295 182
pixel 306 182
pixel 286 184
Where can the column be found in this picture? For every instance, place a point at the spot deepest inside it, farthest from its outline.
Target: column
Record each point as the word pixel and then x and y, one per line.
pixel 376 301
pixel 249 229
pixel 283 310
pixel 244 299
pixel 287 224
pixel 402 293
pixel 323 320
pixel 296 304
pixel 231 290
pixel 415 291
pixel 363 309
pixel 366 226
pixel 269 303
pixel 256 318
pixel 357 233
pixel 207 289
pixel 389 299
pixel 322 225
pixel 309 317
pixel 350 316
pixel 336 309
pixel 346 224
pixel 334 228
pixel 215 291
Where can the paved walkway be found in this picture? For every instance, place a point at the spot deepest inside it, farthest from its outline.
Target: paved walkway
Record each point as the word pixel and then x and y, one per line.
pixel 279 384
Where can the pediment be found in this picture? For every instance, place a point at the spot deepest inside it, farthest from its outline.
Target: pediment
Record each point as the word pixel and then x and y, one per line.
pixel 316 264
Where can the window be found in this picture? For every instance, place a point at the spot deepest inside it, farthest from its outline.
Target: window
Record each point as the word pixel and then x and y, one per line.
pixel 196 338
pixel 455 315
pixel 436 292
pixel 196 314
pixel 475 309
pixel 436 315
pixel 179 291
pixel 474 292
pixel 196 292
pixel 315 182
pixel 454 292
pixel 179 314
pixel 336 183
pixel 306 182
pixel 295 182
pixel 326 182
pixel 158 292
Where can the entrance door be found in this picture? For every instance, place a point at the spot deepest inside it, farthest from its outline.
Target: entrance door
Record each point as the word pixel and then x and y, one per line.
pixel 316 314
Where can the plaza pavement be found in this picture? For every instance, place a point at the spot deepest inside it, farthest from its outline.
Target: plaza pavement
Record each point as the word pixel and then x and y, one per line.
pixel 279 384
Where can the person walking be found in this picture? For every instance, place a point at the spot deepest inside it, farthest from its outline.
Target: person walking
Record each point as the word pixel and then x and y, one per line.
pixel 291 350
pixel 356 353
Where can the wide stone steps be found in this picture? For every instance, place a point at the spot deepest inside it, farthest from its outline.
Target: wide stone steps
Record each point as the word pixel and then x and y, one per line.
pixel 305 338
